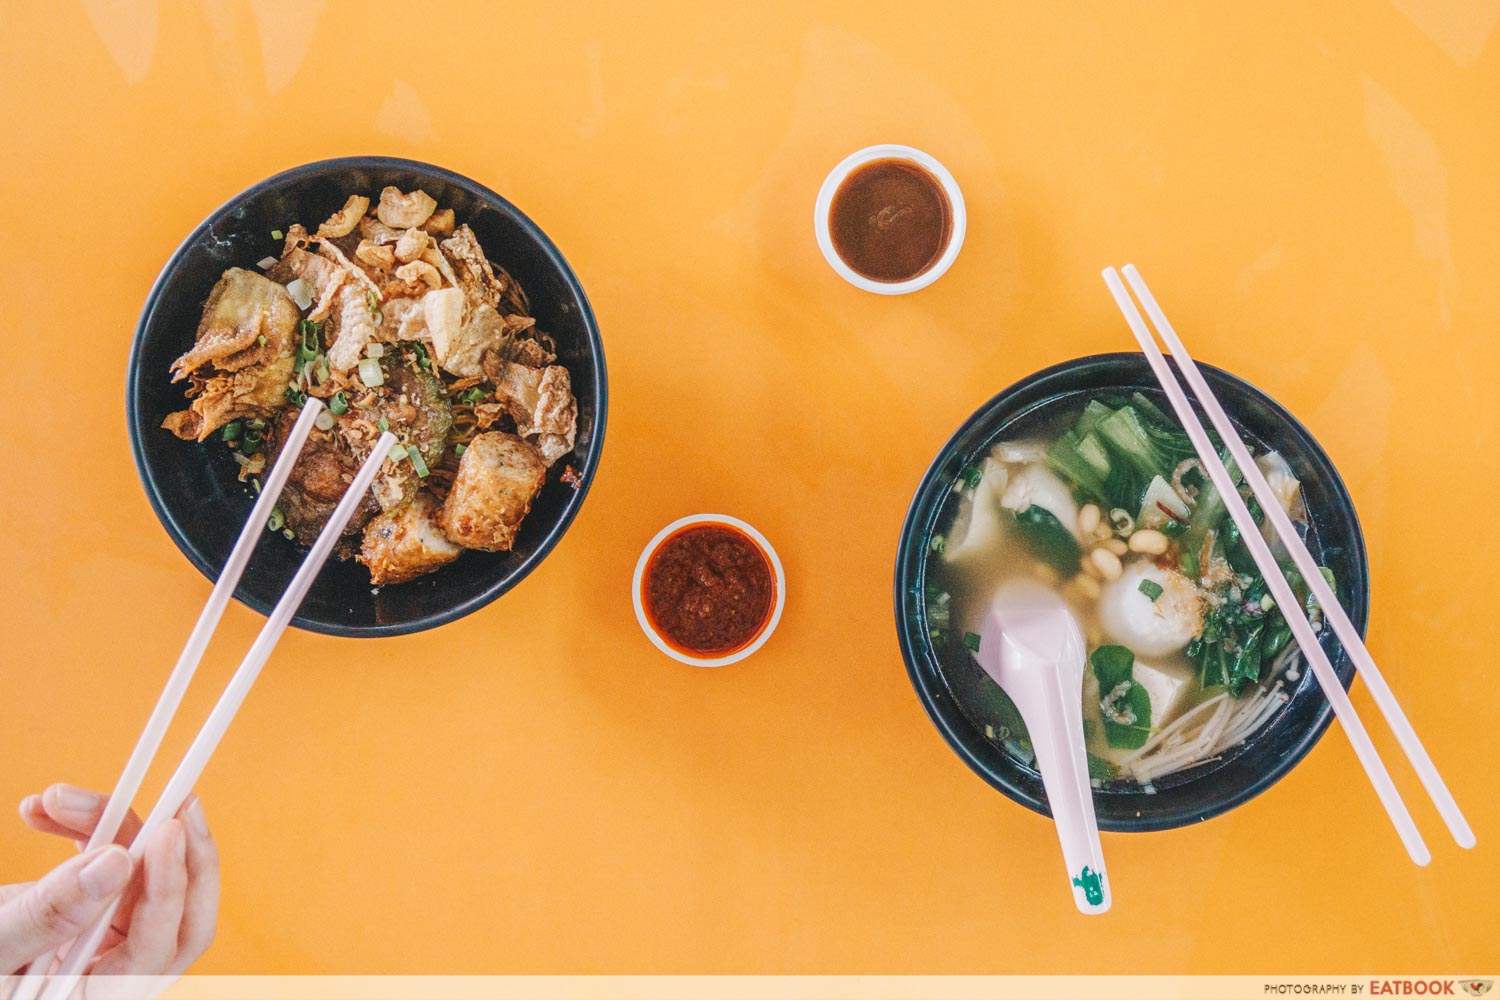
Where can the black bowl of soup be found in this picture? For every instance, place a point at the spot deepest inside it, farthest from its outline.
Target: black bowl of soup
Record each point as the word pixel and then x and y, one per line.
pixel 195 488
pixel 1006 497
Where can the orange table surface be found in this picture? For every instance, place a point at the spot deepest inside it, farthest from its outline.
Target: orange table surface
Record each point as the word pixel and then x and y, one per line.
pixel 1310 188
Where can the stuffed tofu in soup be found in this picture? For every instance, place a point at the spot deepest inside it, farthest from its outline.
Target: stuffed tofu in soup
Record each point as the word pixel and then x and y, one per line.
pixel 1188 654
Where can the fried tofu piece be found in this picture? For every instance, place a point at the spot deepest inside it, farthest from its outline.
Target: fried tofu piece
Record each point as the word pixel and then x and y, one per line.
pixel 460 342
pixel 405 543
pixel 498 478
pixel 475 275
pixel 541 402
pixel 525 350
pixel 242 308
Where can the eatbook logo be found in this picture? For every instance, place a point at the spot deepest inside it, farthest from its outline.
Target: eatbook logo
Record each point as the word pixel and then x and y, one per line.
pixel 1092 885
pixel 1477 987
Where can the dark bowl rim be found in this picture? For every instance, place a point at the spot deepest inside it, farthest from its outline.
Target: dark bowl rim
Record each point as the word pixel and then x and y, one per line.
pixel 906 558
pixel 514 575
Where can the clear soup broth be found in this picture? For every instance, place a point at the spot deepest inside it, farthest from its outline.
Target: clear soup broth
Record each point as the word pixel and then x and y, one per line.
pixel 1102 498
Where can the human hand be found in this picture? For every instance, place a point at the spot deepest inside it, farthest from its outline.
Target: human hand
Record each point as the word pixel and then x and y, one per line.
pixel 169 903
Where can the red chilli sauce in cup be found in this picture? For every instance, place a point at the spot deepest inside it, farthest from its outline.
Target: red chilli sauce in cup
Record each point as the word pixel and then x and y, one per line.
pixel 709 590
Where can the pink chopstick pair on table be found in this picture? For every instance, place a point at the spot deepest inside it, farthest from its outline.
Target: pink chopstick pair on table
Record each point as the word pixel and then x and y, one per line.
pixel 1306 565
pixel 75 959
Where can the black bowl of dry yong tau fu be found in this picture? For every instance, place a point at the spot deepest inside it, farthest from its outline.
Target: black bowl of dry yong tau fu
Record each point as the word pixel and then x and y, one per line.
pixel 407 299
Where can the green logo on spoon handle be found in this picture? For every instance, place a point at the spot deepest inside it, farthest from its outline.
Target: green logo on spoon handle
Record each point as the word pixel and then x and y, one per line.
pixel 1092 884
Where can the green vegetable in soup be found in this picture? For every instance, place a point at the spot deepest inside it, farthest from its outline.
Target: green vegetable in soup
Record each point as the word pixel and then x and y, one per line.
pixel 1243 635
pixel 1115 449
pixel 1047 539
pixel 1124 705
pixel 1209 516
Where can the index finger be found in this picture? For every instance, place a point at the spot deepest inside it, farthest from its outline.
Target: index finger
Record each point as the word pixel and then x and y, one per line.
pixel 73 812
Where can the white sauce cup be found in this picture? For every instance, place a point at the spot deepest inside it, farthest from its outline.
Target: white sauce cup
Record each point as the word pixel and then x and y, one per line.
pixel 660 642
pixel 889 151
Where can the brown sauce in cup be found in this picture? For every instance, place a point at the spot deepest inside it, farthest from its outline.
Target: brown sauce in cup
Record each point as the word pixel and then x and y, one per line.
pixel 890 220
pixel 709 589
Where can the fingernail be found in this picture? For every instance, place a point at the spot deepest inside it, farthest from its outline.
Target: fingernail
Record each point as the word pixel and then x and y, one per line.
pixel 195 817
pixel 77 799
pixel 28 805
pixel 106 874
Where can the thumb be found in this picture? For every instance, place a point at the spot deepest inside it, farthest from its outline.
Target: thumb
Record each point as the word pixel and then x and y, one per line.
pixel 61 906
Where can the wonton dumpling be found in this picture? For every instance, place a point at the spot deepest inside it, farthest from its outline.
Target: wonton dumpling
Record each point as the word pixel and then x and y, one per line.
pixel 1147 627
pixel 979 526
pixel 1038 486
pixel 1288 492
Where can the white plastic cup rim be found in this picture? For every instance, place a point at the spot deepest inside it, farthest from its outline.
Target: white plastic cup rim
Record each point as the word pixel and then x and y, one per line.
pixel 640 607
pixel 889 151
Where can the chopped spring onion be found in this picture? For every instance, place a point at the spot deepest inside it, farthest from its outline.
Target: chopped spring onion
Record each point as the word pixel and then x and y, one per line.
pixel 277 234
pixel 338 404
pixel 1151 589
pixel 255 482
pixel 375 351
pixel 970 476
pixel 471 395
pixel 324 421
pixel 417 462
pixel 261 340
pixel 255 424
pixel 370 373
pixel 939 544
pixel 459 449
pixel 972 641
pixel 296 397
pixel 373 301
pixel 423 361
pixel 289 534
pixel 231 431
pixel 301 292
pixel 383 424
pixel 398 452
pixel 320 369
pixel 266 263
pixel 276 521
